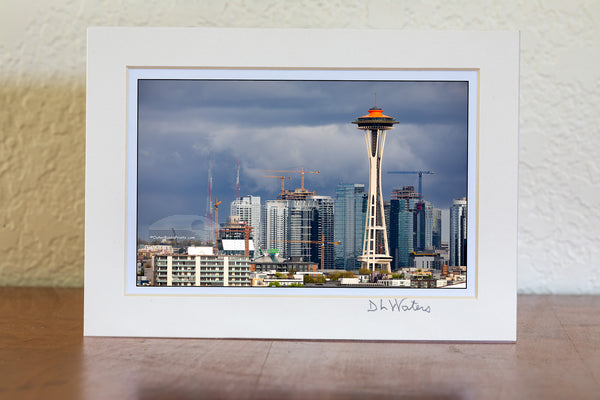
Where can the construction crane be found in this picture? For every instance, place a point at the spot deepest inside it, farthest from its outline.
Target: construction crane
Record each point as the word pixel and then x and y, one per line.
pixel 420 173
pixel 282 181
pixel 321 243
pixel 246 230
pixel 302 172
pixel 217 226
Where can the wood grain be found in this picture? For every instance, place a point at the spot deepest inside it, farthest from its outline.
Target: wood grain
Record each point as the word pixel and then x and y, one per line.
pixel 43 355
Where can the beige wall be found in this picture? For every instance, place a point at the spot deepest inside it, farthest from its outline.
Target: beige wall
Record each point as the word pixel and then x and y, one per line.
pixel 42 116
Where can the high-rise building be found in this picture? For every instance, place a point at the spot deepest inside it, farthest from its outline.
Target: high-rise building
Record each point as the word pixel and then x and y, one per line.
pixel 411 225
pixel 375 254
pixel 324 207
pixel 436 235
pixel 392 226
pixel 302 227
pixel 297 227
pixel 249 210
pixel 424 226
pixel 458 232
pixel 350 214
pixel 386 213
pixel 275 225
pixel 406 192
pixel 403 225
pixel 402 232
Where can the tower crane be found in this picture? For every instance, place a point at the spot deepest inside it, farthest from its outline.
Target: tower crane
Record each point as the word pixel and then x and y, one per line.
pixel 420 173
pixel 247 230
pixel 302 172
pixel 282 181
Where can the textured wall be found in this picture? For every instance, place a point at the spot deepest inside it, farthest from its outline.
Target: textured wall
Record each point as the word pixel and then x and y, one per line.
pixel 42 116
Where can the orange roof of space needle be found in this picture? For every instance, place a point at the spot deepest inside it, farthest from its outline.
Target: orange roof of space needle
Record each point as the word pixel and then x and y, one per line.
pixel 375 117
pixel 375 112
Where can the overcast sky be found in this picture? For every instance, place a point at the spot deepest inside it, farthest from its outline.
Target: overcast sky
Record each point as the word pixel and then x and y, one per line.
pixel 285 125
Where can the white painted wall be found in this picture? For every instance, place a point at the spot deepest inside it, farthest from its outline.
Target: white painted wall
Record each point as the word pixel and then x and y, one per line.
pixel 42 118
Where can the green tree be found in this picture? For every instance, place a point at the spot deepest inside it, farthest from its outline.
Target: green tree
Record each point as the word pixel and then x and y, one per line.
pixel 364 271
pixel 335 276
pixel 308 279
pixel 274 284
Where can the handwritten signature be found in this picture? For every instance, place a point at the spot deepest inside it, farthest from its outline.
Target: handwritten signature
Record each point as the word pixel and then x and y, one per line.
pixel 397 305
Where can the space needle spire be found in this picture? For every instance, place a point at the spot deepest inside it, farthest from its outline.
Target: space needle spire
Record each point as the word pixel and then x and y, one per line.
pixel 376 254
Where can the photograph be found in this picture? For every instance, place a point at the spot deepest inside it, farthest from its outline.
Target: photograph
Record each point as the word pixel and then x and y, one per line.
pixel 353 198
pixel 302 183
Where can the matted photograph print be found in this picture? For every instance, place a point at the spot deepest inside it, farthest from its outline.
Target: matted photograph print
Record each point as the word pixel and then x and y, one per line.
pixel 236 189
pixel 304 183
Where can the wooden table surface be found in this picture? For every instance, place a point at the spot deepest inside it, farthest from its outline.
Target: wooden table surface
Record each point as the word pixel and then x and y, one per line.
pixel 43 355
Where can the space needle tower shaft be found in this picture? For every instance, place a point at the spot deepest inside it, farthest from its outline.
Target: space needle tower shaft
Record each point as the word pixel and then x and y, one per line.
pixel 375 254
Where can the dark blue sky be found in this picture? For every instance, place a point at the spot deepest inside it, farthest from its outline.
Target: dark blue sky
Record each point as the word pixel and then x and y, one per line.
pixel 286 125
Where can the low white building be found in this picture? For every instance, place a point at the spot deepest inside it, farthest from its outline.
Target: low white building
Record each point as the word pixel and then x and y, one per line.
pixel 201 270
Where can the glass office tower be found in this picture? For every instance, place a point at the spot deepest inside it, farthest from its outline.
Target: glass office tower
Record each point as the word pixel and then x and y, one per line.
pixel 350 215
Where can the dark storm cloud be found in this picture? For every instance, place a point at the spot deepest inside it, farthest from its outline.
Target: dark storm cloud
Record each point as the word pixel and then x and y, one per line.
pixel 284 103
pixel 287 125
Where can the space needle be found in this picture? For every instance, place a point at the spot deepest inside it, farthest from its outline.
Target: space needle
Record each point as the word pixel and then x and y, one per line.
pixel 375 254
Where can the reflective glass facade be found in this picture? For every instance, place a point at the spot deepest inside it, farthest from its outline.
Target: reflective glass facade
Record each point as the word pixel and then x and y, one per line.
pixel 406 231
pixel 350 215
pixel 458 233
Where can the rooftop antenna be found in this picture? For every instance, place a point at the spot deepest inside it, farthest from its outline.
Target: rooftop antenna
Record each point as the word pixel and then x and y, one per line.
pixel 237 180
pixel 375 99
pixel 209 195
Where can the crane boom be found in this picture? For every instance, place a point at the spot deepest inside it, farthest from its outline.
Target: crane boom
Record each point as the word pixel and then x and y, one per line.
pixel 302 172
pixel 282 180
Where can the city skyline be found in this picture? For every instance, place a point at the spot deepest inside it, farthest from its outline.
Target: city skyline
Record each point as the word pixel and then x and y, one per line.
pixel 287 125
